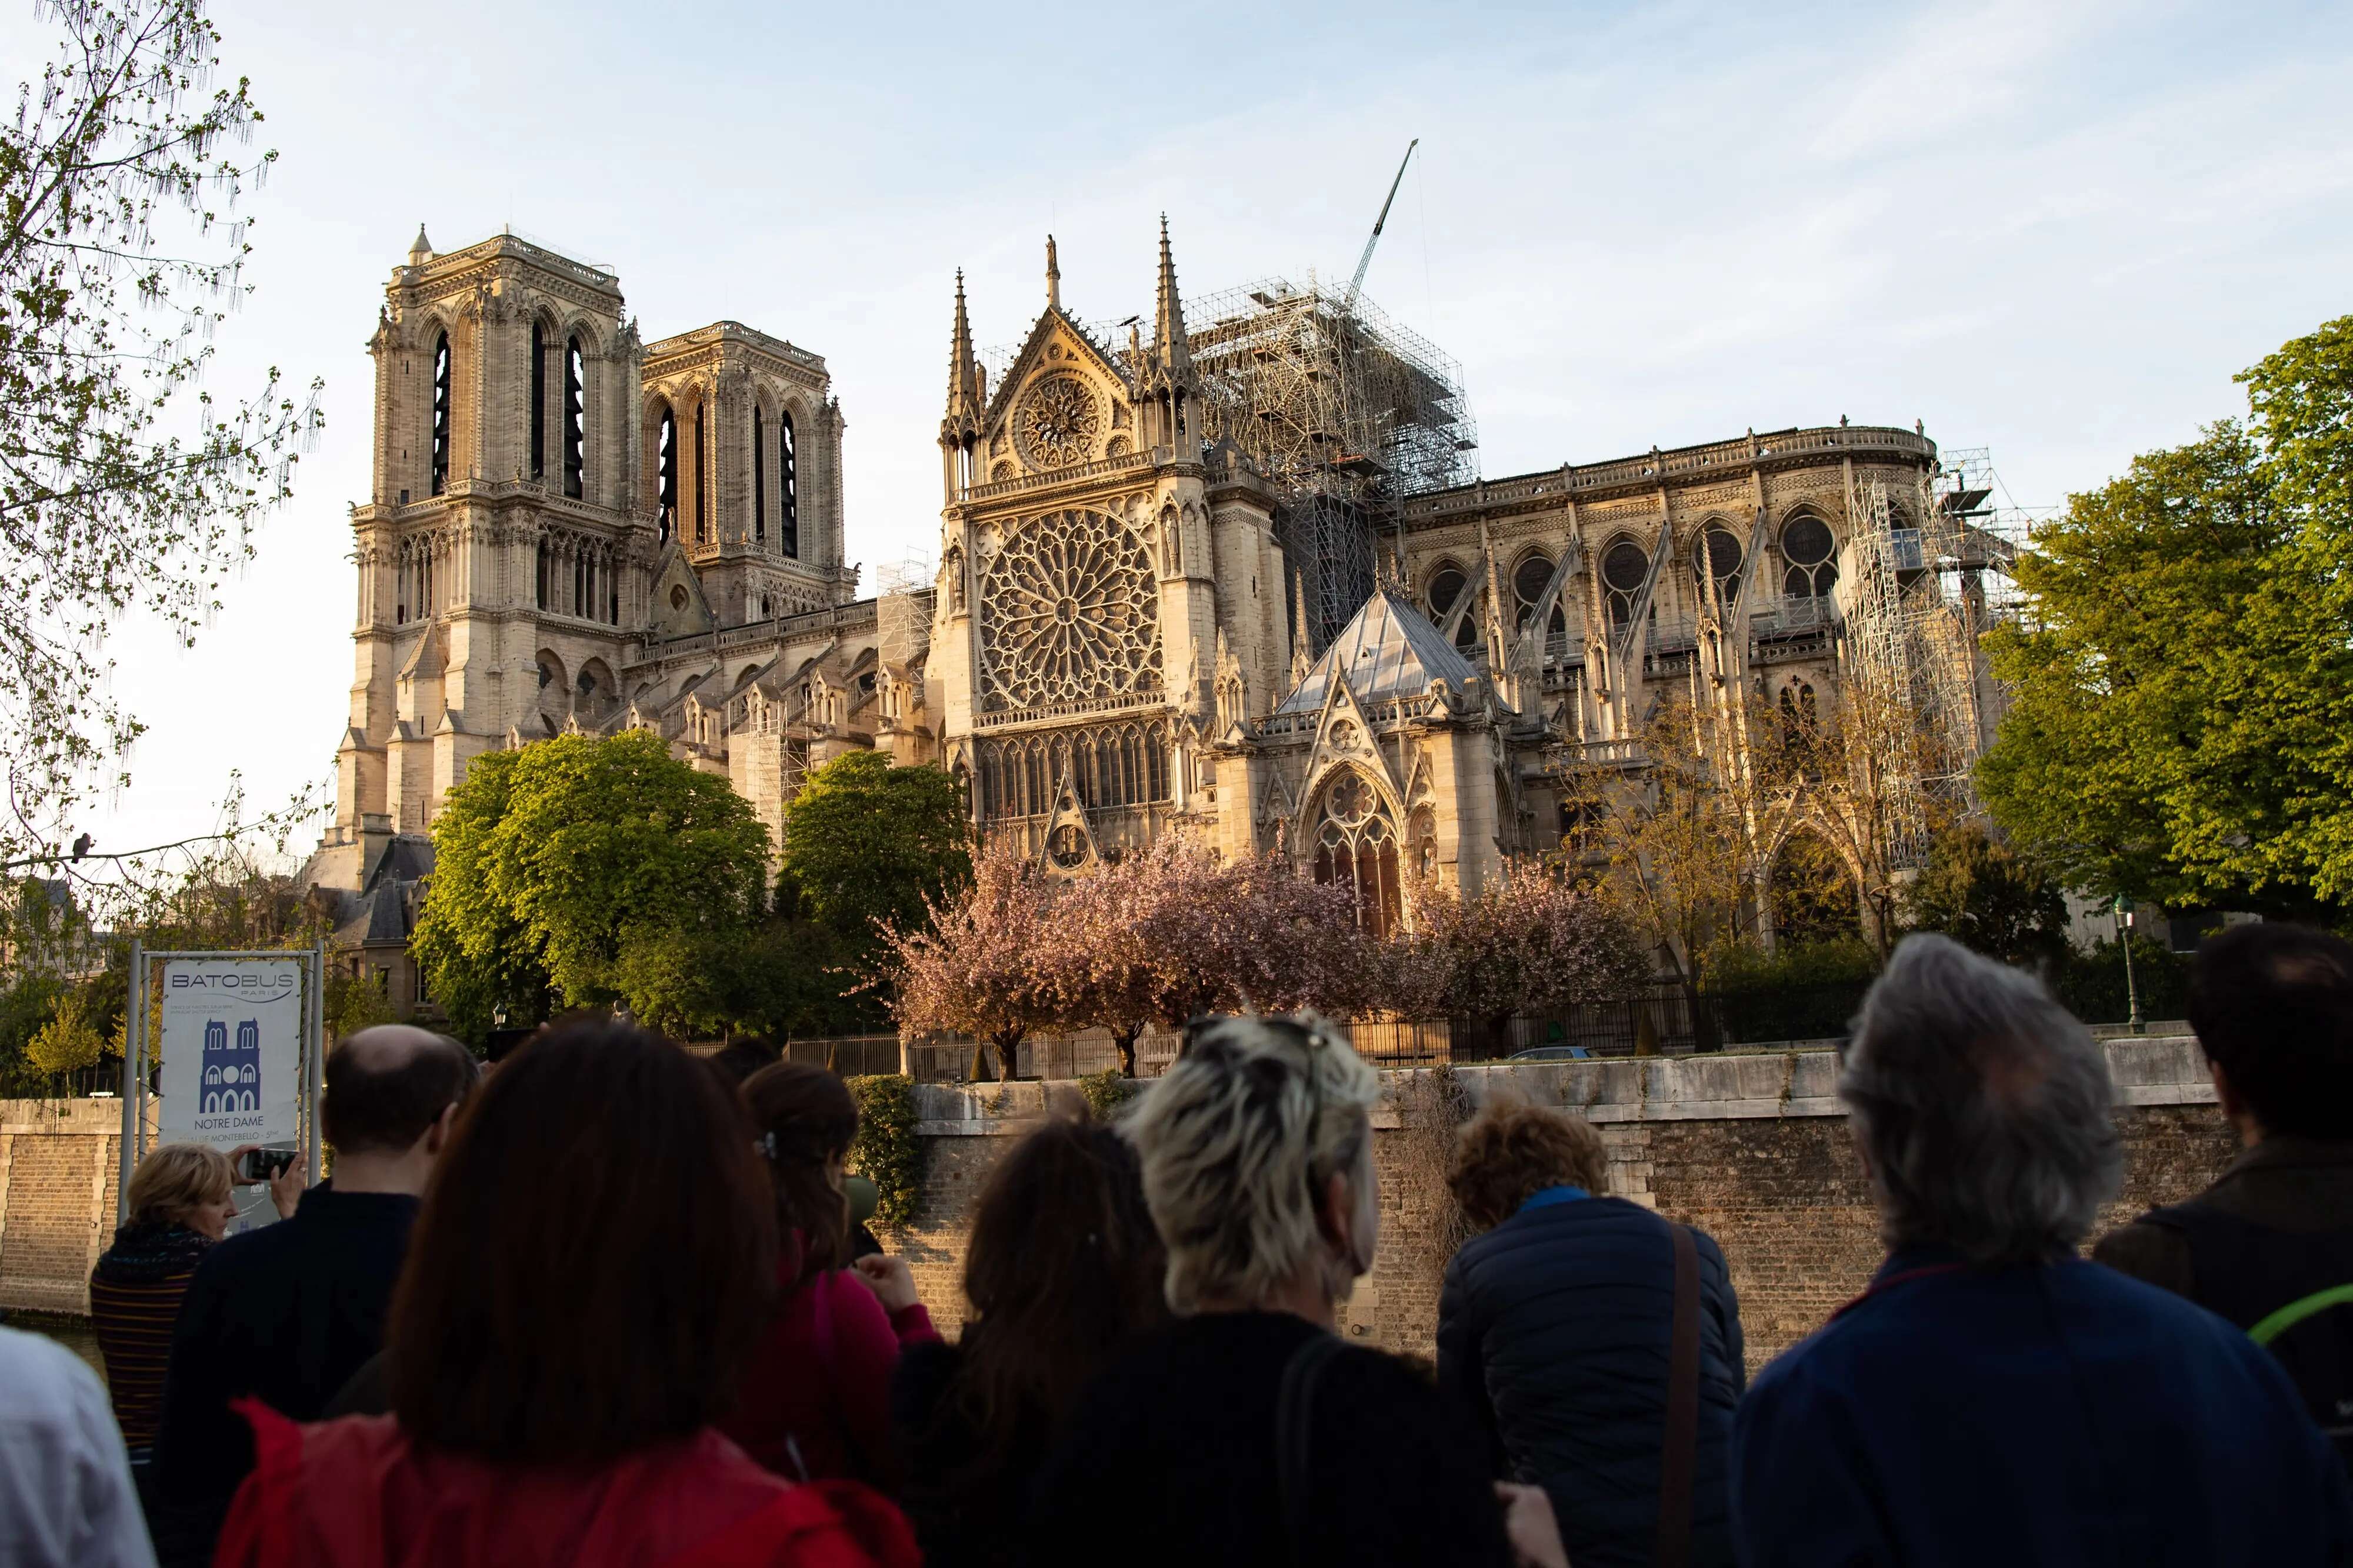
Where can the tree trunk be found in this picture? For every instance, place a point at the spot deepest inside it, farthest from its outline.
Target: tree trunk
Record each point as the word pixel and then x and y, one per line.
pixel 1007 1044
pixel 1125 1041
pixel 1498 1043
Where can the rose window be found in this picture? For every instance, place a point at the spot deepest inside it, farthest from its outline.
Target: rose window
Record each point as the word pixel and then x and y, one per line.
pixel 1070 611
pixel 1067 847
pixel 1058 422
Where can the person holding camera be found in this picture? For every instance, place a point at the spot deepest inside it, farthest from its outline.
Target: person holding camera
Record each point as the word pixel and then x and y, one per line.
pixel 181 1202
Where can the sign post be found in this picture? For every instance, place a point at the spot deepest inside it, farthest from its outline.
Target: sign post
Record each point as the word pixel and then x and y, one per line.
pixel 238 1037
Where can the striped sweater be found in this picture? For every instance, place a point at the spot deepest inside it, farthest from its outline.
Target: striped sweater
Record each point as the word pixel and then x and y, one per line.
pixel 134 1304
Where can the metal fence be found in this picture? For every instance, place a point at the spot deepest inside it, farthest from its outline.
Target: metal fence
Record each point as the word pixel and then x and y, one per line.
pixel 1664 1020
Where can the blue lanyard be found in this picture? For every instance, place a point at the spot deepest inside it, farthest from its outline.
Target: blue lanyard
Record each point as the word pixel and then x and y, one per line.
pixel 1564 1194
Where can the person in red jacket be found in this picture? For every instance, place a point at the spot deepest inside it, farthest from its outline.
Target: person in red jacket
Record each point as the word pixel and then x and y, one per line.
pixel 595 1256
pixel 815 1399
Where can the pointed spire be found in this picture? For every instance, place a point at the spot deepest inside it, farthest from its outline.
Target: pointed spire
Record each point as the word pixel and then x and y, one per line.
pixel 1169 345
pixel 963 389
pixel 959 345
pixel 421 251
pixel 1053 277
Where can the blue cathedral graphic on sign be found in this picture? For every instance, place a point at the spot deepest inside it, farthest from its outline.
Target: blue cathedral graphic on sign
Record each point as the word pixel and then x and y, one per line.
pixel 232 1080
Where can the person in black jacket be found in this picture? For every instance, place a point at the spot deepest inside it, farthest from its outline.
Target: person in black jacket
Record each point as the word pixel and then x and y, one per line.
pixel 289 1312
pixel 1247 1432
pixel 1554 1329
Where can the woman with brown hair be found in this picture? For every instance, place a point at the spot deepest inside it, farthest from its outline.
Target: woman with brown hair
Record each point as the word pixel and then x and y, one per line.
pixel 1063 1271
pixel 595 1255
pixel 814 1400
pixel 180 1204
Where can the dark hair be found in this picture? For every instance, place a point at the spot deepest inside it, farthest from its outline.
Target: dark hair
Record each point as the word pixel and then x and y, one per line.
pixel 2272 1005
pixel 739 1059
pixel 595 1256
pixel 369 1107
pixel 802 1117
pixel 1512 1151
pixel 1064 1266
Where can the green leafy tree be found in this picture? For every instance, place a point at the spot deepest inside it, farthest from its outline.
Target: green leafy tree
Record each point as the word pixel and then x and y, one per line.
pixel 580 871
pixel 69 1040
pixel 125 485
pixel 2176 729
pixel 1987 897
pixel 866 841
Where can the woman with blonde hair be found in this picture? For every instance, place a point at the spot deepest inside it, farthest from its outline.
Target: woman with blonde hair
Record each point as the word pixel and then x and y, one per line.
pixel 1257 1152
pixel 180 1204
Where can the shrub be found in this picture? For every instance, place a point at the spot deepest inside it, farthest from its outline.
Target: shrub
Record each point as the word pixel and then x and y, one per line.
pixel 886 1150
pixel 1107 1093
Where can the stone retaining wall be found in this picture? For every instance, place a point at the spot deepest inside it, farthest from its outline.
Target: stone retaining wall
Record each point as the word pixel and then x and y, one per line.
pixel 1753 1149
pixel 58 1164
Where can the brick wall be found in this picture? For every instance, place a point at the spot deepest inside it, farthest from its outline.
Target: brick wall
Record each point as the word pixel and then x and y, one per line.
pixel 57 1174
pixel 1753 1150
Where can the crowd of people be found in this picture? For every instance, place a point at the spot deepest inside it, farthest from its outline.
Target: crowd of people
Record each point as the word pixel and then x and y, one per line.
pixel 612 1304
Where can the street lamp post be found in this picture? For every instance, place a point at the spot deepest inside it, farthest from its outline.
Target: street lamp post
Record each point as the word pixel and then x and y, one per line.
pixel 2123 936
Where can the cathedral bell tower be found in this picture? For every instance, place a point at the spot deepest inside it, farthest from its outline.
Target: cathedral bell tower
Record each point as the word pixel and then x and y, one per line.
pixel 498 557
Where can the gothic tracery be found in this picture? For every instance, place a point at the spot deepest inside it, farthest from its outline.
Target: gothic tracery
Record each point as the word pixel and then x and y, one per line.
pixel 1070 612
pixel 1058 422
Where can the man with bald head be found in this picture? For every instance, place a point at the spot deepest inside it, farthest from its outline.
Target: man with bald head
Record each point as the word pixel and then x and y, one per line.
pixel 287 1313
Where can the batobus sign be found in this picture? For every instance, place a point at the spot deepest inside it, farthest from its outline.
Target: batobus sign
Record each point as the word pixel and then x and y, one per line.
pixel 231 1042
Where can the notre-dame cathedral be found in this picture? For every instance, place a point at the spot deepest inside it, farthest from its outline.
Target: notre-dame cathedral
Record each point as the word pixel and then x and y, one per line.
pixel 1234 573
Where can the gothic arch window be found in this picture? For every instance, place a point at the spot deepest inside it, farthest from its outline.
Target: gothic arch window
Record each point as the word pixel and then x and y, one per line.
pixel 1355 846
pixel 665 473
pixel 1624 566
pixel 759 479
pixel 701 477
pixel 440 429
pixel 575 419
pixel 1807 549
pixel 545 567
pixel 538 400
pixel 1530 578
pixel 1717 562
pixel 1448 584
pixel 788 485
pixel 554 695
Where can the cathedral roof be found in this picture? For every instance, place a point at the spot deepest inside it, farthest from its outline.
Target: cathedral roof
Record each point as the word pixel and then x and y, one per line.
pixel 1389 649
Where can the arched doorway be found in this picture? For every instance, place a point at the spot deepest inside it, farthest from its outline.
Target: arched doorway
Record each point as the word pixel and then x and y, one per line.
pixel 1812 893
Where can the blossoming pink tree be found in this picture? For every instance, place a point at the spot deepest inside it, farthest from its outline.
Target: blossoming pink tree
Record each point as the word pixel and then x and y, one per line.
pixel 1531 943
pixel 1173 931
pixel 980 965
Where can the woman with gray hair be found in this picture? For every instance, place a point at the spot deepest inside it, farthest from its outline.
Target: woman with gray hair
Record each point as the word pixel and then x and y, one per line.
pixel 1247 1432
pixel 1993 1397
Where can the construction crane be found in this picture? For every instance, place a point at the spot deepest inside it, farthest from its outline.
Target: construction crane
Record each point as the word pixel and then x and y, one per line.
pixel 1365 261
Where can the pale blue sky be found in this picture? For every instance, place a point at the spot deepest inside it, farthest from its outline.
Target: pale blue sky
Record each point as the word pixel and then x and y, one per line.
pixel 2054 230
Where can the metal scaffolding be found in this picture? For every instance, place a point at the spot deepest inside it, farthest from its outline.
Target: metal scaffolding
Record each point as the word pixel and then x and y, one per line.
pixel 1912 608
pixel 1345 411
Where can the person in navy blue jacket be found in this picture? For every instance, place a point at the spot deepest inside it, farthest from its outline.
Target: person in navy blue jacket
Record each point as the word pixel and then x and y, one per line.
pixel 1553 1333
pixel 1992 1396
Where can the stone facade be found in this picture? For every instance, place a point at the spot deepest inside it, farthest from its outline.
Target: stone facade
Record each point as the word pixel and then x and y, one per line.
pixel 572 530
